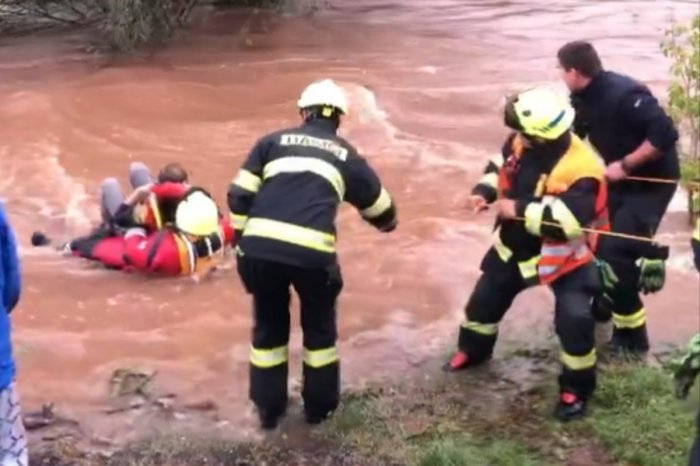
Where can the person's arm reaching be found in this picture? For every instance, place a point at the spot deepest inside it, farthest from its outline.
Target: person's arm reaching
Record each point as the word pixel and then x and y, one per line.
pixel 10 264
pixel 245 186
pixel 365 192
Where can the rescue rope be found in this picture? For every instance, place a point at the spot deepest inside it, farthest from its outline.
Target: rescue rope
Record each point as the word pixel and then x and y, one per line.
pixel 652 180
pixel 600 232
pixel 660 180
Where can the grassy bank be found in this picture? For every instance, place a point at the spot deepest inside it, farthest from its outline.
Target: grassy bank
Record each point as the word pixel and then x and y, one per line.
pixel 635 420
pixel 480 418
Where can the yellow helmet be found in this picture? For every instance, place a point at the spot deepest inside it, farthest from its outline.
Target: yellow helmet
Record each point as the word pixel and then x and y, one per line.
pixel 539 112
pixel 197 214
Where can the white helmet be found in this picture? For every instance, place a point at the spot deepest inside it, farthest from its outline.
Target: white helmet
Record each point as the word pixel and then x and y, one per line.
pixel 325 92
pixel 197 214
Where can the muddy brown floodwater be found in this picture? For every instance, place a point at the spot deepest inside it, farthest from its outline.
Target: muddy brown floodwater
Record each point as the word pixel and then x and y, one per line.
pixel 426 81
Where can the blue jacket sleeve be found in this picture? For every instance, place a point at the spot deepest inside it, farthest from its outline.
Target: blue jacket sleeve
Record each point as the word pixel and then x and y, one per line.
pixel 10 264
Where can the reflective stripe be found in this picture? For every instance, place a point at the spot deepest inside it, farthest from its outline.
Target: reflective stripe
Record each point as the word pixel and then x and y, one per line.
pixel 578 363
pixel 321 357
pixel 380 206
pixel 155 211
pixel 696 233
pixel 528 268
pixel 489 179
pixel 555 256
pixel 482 329
pixel 533 217
pixel 635 320
pixel 567 220
pixel 187 254
pixel 248 181
pixel 267 358
pixel 238 221
pixel 290 233
pixel 319 167
pixel 502 250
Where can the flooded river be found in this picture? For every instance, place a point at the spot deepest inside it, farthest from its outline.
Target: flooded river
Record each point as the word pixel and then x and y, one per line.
pixel 426 81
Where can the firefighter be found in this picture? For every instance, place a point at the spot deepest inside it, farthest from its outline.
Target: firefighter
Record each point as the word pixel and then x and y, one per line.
pixel 689 367
pixel 283 202
pixel 626 125
pixel 547 186
pixel 192 245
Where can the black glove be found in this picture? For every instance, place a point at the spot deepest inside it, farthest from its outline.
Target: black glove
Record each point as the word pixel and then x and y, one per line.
pixel 652 268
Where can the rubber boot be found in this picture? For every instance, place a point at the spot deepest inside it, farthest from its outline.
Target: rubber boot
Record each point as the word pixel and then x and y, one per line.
pixel 570 407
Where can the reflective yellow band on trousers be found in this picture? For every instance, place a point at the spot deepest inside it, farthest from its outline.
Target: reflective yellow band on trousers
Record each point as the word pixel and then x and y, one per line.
pixel 380 206
pixel 321 357
pixel 489 179
pixel 248 181
pixel 577 363
pixel 482 329
pixel 238 221
pixel 266 358
pixel 635 320
pixel 319 167
pixel 290 233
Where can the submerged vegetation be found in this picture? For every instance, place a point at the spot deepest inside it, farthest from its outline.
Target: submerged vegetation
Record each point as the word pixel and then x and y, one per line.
pixel 123 25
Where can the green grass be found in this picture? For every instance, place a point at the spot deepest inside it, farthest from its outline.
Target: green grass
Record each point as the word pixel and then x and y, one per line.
pixel 690 170
pixel 638 419
pixel 464 451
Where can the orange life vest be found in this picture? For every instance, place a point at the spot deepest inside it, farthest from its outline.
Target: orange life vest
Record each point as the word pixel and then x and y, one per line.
pixel 560 257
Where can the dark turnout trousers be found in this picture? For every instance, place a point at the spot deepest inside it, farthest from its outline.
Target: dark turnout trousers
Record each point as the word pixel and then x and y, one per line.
pixel 633 212
pixel 318 289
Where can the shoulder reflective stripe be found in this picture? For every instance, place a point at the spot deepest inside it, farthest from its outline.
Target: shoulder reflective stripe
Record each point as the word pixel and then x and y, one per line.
pixel 577 363
pixel 528 268
pixel 562 214
pixel 155 211
pixel 635 320
pixel 533 217
pixel 266 358
pixel 238 221
pixel 296 164
pixel 482 329
pixel 502 250
pixel 380 206
pixel 290 233
pixel 321 357
pixel 490 179
pixel 247 180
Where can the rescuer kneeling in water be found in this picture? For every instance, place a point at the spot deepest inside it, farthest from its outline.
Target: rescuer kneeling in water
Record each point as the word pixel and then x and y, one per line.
pixel 547 186
pixel 192 244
